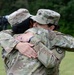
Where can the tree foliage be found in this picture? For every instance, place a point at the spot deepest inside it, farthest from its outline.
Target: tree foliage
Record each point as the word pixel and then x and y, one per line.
pixel 64 7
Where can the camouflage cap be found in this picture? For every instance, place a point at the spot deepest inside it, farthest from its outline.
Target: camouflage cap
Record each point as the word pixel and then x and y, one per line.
pixel 46 16
pixel 18 16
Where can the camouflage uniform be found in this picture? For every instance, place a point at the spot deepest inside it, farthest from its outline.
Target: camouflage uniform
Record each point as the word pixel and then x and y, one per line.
pixel 18 64
pixel 28 66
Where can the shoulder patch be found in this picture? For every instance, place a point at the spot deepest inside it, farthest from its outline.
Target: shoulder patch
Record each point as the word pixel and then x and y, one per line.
pixel 59 51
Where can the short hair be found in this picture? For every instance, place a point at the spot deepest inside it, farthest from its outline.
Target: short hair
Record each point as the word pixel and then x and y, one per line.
pixel 22 27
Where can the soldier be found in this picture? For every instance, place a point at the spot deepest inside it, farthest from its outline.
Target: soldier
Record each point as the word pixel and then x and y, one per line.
pixel 44 17
pixel 57 46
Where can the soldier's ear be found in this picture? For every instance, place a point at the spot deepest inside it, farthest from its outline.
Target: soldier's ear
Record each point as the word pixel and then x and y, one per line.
pixel 34 24
pixel 31 24
pixel 52 27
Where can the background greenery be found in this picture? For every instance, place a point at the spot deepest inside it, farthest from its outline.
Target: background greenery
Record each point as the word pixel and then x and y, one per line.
pixel 64 7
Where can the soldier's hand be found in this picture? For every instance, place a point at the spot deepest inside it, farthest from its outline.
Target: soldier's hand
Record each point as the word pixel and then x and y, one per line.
pixel 24 37
pixel 26 49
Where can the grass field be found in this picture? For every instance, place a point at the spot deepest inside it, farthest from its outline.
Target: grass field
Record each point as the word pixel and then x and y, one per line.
pixel 2 70
pixel 66 67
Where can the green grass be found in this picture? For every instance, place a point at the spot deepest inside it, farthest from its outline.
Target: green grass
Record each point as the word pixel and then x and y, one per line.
pixel 66 67
pixel 2 70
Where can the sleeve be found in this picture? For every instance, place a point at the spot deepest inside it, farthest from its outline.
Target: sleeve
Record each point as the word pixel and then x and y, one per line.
pixel 64 41
pixel 7 41
pixel 45 56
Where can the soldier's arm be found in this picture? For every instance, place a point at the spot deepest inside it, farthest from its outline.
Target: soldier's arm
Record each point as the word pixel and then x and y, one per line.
pixel 7 41
pixel 45 56
pixel 64 41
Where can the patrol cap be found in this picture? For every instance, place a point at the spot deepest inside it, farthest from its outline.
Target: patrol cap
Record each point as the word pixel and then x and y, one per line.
pixel 18 16
pixel 46 16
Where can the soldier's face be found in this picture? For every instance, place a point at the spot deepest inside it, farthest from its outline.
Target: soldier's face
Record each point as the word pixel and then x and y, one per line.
pixel 45 26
